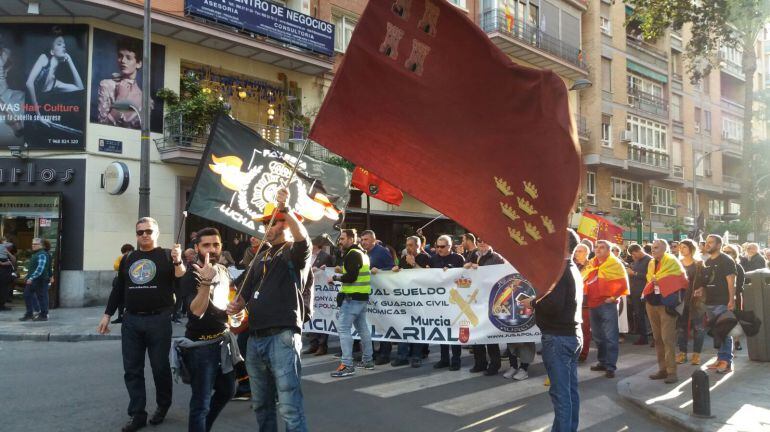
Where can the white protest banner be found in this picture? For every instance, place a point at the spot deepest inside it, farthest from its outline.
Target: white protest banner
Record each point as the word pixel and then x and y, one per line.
pixel 456 306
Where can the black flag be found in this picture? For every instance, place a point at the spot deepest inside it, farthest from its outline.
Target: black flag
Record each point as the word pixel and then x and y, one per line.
pixel 240 173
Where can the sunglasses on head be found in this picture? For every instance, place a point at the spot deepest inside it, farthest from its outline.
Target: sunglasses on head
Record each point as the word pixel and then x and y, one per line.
pixel 141 232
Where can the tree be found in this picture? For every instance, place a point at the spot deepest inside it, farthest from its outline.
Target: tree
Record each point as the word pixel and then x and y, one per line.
pixel 715 24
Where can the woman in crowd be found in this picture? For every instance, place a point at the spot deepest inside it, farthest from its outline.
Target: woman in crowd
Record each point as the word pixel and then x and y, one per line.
pixel 694 307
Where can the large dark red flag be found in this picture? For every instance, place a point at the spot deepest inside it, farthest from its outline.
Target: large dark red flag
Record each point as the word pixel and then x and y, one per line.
pixel 423 95
pixel 376 187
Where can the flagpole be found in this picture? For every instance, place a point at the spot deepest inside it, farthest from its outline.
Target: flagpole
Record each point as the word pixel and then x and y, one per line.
pixel 272 220
pixel 368 217
pixel 430 222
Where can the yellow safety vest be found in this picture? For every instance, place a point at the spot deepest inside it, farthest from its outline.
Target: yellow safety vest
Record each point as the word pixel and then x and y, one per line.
pixel 363 284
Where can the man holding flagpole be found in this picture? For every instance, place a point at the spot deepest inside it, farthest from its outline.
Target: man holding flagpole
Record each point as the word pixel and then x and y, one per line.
pixel 605 281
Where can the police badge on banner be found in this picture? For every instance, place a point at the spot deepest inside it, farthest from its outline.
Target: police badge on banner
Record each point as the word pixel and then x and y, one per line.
pixel 240 173
pixel 456 306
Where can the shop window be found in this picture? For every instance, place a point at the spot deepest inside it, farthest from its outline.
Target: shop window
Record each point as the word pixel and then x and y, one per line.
pixel 24 217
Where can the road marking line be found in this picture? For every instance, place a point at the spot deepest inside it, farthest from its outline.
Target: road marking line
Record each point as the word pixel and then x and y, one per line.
pixel 592 412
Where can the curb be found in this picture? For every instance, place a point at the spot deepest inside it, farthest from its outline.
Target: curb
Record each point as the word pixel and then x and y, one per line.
pixel 56 337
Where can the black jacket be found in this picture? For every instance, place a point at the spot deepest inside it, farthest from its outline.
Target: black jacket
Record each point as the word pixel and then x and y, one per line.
pixel 558 312
pixel 489 258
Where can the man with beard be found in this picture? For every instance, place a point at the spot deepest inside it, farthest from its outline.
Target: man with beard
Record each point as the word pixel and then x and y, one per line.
pixel 719 276
pixel 753 260
pixel 415 257
pixel 274 296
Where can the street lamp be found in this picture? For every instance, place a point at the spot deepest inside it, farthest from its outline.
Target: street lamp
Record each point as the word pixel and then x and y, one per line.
pixel 695 164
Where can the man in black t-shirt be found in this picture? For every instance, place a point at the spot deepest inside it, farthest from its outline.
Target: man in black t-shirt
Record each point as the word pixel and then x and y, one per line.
pixel 719 277
pixel 445 259
pixel 208 287
pixel 145 284
pixel 415 257
pixel 273 295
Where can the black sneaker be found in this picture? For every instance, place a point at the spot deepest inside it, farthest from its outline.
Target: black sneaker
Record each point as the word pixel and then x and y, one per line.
pixel 441 364
pixel 598 367
pixel 415 363
pixel 369 365
pixel 454 366
pixel 40 317
pixel 242 396
pixel 609 374
pixel 158 416
pixel 136 423
pixel 26 317
pixel 399 362
pixel 478 368
pixel 382 360
pixel 343 371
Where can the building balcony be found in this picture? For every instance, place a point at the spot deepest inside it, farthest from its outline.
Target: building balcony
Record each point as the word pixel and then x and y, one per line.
pixel 730 67
pixel 731 184
pixel 732 148
pixel 647 102
pixel 648 162
pixel 731 106
pixel 582 127
pixel 647 54
pixel 529 43
pixel 183 143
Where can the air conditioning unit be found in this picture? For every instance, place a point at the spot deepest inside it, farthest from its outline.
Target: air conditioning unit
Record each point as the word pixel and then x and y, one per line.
pixel 688 220
pixel 697 127
pixel 707 173
pixel 626 136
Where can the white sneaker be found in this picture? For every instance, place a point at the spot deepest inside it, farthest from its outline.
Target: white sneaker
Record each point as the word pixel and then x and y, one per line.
pixel 510 373
pixel 521 375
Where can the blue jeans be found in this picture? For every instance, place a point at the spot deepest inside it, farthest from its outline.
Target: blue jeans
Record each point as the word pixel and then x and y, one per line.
pixel 353 312
pixel 274 369
pixel 560 354
pixel 604 330
pixel 211 389
pixel 150 334
pixel 698 329
pixel 36 296
pixel 726 349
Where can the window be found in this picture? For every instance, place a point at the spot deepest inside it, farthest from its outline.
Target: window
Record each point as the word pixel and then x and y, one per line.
pixel 676 64
pixel 676 153
pixel 591 188
pixel 626 194
pixel 606 131
pixel 639 84
pixel 663 201
pixel 676 107
pixel 734 207
pixel 344 26
pixel 698 117
pixel 706 84
pixel 647 133
pixel 716 208
pixel 731 54
pixel 689 202
pixel 732 129
pixel 459 3
pixel 606 75
pixel 707 120
pixel 605 26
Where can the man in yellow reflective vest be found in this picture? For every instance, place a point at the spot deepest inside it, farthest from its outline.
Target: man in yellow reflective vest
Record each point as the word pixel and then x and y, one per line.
pixel 352 300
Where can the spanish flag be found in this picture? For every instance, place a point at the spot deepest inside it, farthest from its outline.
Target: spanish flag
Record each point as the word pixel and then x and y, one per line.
pixel 595 227
pixel 603 279
pixel 669 274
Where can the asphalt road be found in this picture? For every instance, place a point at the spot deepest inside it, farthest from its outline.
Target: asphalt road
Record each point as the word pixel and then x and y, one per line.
pixel 59 386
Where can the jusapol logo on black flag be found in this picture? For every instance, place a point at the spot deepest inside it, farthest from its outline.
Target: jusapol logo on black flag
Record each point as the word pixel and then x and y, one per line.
pixel 241 172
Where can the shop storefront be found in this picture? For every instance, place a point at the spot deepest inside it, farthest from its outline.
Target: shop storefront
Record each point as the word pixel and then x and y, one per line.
pixel 44 198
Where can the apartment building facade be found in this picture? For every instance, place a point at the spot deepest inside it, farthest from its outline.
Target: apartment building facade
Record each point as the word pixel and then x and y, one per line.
pixel 656 131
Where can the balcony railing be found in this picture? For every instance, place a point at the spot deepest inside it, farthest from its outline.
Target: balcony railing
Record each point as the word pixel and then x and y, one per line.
pixel 647 102
pixel 732 105
pixel 647 156
pixel 731 183
pixel 731 67
pixel 495 20
pixel 178 133
pixel 647 53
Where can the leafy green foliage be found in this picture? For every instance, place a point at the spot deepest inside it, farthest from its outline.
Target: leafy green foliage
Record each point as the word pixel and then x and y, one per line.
pixel 195 106
pixel 626 218
pixel 341 162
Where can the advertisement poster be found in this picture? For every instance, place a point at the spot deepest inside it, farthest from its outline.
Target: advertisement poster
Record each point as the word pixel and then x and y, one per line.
pixel 456 306
pixel 116 83
pixel 43 68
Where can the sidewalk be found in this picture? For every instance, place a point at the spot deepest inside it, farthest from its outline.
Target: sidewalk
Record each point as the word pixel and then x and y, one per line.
pixel 739 400
pixel 63 325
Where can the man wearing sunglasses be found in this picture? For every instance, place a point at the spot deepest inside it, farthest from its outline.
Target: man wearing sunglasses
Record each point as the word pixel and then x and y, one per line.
pixel 145 284
pixel 446 259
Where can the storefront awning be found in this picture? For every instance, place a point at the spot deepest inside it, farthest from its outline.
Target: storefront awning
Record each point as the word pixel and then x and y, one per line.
pixel 645 71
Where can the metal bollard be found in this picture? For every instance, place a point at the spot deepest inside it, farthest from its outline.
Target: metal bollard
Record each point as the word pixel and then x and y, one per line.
pixel 701 398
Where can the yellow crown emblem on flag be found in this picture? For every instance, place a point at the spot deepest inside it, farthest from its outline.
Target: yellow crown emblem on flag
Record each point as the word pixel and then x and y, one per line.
pixel 463 282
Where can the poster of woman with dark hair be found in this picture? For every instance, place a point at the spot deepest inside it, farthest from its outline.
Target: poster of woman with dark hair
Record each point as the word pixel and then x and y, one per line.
pixel 116 94
pixel 42 92
pixel 42 79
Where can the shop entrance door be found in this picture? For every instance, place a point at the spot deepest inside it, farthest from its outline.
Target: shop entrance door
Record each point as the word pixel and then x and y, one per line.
pixel 24 217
